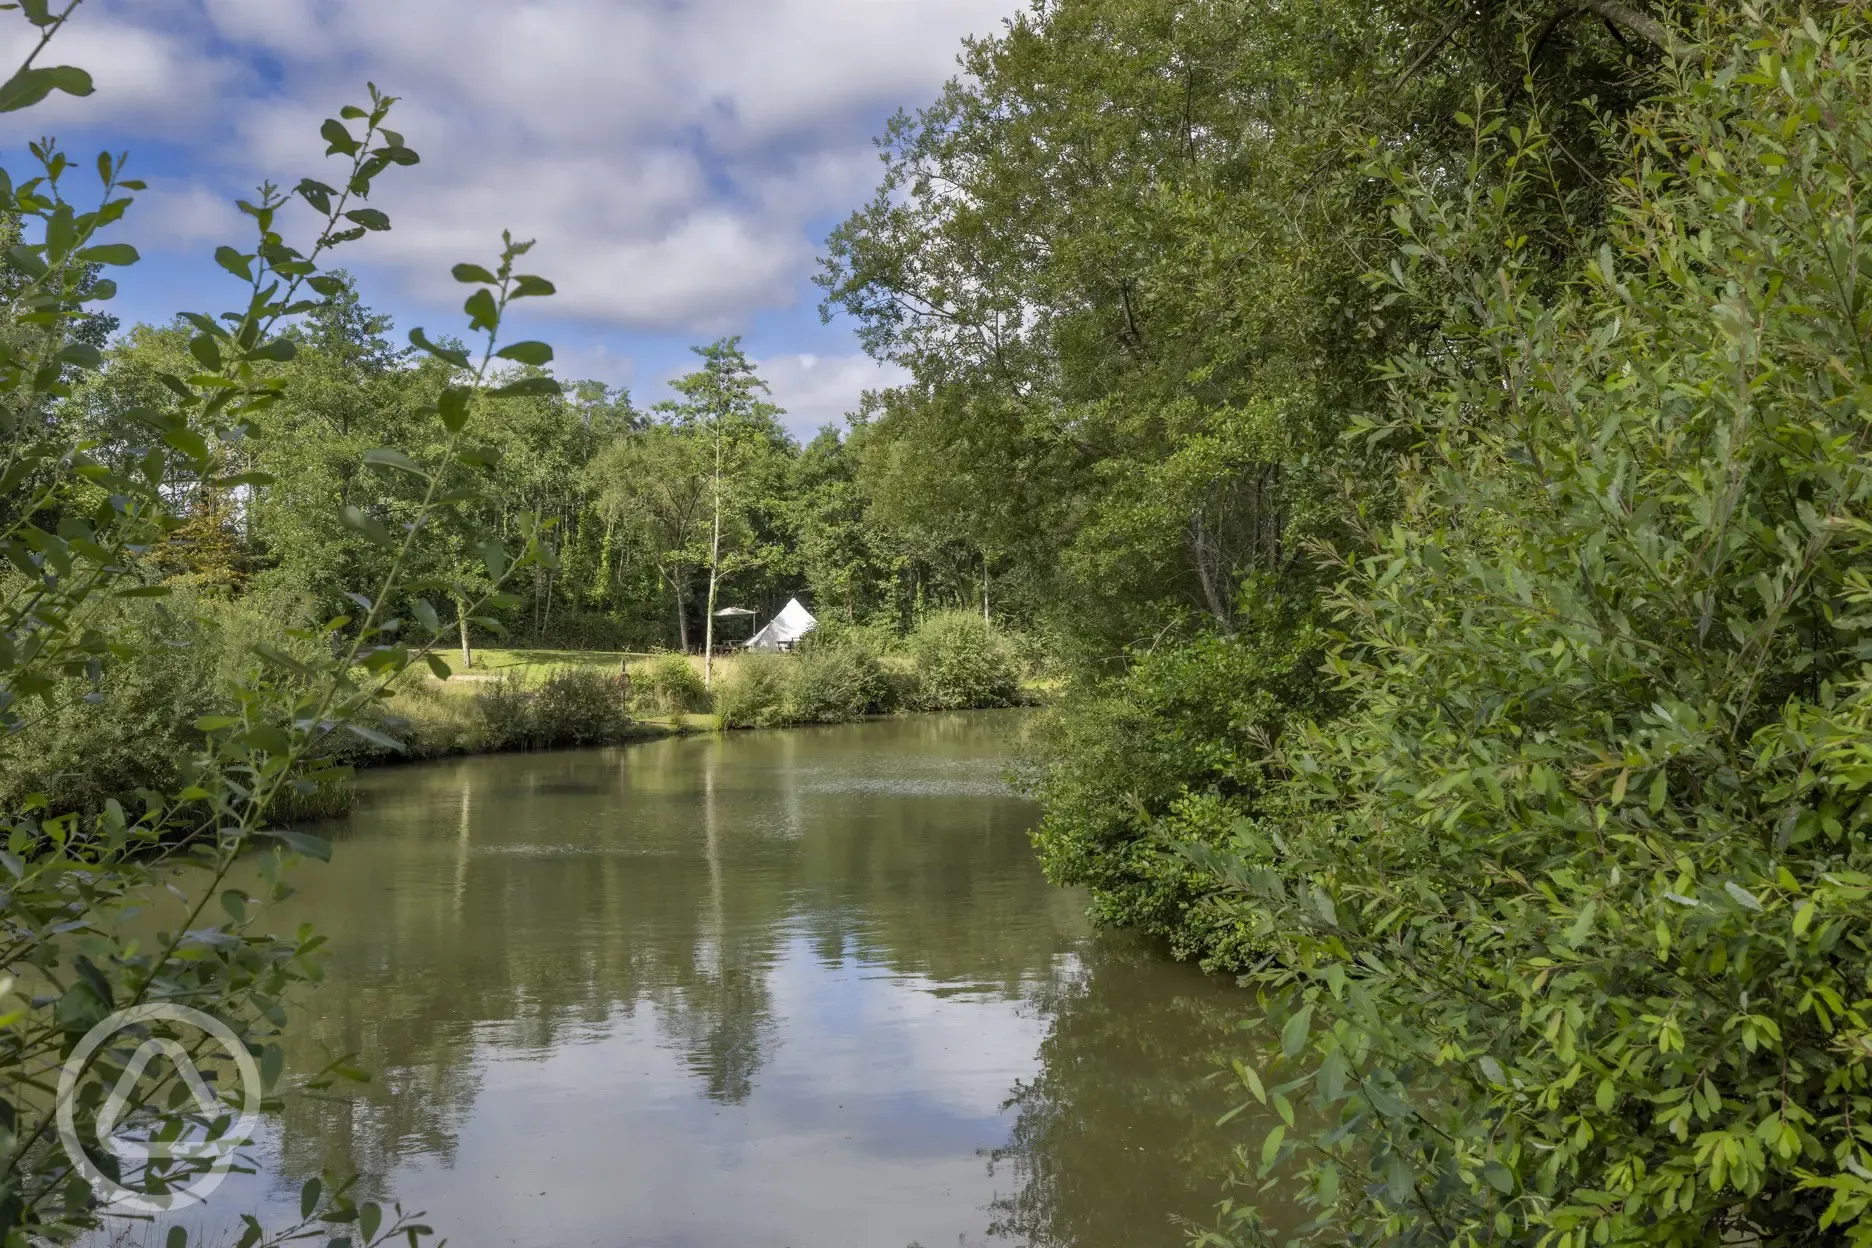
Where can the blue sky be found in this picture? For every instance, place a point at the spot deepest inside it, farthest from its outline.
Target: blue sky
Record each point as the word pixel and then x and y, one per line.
pixel 679 161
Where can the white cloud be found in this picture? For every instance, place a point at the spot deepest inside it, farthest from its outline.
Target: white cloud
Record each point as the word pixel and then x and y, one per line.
pixel 673 158
pixel 149 81
pixel 181 217
pixel 594 362
pixel 818 390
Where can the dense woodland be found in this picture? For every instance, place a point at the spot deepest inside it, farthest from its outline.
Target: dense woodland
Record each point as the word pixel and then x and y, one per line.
pixel 627 492
pixel 1425 446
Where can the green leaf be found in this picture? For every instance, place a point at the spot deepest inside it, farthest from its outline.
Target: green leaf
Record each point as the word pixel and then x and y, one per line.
pixel 1294 1033
pixel 279 351
pixel 384 457
pixel 239 265
pixel 1270 1147
pixel 316 194
pixel 452 355
pixel 354 518
pixel 29 86
pixel 425 613
pixel 94 979
pixel 369 218
pixel 1743 897
pixel 110 253
pixel 452 406
pixel 302 843
pixel 473 273
pixel 326 285
pixel 206 351
pixel 309 1194
pixel 27 260
pixel 374 737
pixel 493 558
pixel 437 667
pixel 527 387
pixel 482 310
pixel 1499 1177
pixel 334 133
pixel 534 353
pixel 82 355
pixel 529 287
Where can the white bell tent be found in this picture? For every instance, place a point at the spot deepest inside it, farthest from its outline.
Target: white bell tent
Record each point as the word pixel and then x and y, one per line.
pixel 785 629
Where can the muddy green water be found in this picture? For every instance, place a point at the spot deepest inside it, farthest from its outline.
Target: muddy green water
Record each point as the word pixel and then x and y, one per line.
pixel 804 989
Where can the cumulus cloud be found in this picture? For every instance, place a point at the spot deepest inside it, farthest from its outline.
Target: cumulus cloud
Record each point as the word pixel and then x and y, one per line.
pixel 177 216
pixel 819 390
pixel 674 158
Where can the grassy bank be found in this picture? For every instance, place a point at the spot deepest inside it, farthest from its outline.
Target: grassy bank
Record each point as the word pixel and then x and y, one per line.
pixel 550 699
pixel 139 725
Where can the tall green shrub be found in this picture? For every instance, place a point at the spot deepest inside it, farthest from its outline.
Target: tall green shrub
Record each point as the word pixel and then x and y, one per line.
pixel 962 662
pixel 1175 744
pixel 844 680
pixel 754 694
pixel 668 685
pixel 1567 919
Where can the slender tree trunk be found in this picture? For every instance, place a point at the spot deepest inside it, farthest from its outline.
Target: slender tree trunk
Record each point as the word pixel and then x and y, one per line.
pixel 714 570
pixel 461 620
pixel 682 616
pixel 985 618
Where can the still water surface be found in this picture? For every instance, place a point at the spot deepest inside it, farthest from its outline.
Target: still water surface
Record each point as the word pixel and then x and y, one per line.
pixel 802 988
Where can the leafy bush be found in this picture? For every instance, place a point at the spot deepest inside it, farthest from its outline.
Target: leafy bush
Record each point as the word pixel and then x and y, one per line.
pixel 133 726
pixel 1569 914
pixel 668 685
pixel 1173 745
pixel 573 706
pixel 961 663
pixel 832 683
pixel 755 693
pixel 578 706
pixel 503 713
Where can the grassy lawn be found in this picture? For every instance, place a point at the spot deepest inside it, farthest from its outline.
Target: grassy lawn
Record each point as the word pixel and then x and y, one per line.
pixel 537 664
pixel 451 698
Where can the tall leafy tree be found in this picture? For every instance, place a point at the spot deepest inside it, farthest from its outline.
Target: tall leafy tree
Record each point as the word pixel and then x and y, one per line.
pixel 722 405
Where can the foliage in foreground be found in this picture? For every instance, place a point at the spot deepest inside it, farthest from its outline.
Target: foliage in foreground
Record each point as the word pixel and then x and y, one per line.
pixel 85 520
pixel 1566 920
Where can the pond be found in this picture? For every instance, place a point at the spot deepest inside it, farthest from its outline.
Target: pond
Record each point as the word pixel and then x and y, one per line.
pixel 803 988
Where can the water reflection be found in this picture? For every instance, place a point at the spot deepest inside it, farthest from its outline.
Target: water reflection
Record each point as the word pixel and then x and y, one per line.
pixel 783 988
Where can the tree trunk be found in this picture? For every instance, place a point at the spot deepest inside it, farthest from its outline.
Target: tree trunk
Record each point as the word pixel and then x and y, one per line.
pixel 461 620
pixel 985 618
pixel 1201 553
pixel 682 616
pixel 714 570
